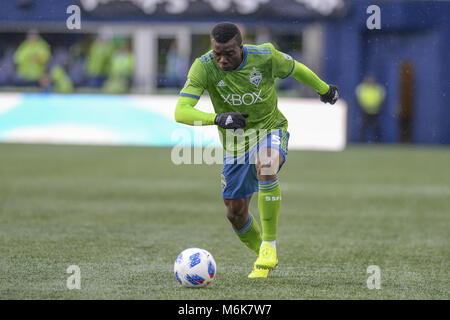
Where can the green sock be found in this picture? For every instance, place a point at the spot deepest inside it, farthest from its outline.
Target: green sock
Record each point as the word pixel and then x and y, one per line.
pixel 250 235
pixel 269 201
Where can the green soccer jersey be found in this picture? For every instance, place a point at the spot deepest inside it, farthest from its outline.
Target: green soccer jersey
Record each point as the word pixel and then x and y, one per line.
pixel 248 89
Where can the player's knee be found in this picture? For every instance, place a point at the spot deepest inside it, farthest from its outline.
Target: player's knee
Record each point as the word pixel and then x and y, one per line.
pixel 234 219
pixel 236 206
pixel 236 209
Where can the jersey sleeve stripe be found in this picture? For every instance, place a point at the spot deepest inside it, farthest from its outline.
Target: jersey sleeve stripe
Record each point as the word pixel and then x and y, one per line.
pixel 207 60
pixel 258 49
pixel 189 95
pixel 292 70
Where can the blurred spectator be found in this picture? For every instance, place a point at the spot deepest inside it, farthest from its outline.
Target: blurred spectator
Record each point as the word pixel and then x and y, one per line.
pixel 31 58
pixel 76 68
pixel 370 96
pixel 62 82
pixel 121 70
pixel 97 62
pixel 46 83
pixel 177 67
pixel 57 81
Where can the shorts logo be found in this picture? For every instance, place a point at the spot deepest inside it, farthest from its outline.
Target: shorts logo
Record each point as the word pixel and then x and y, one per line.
pixel 276 140
pixel 255 77
pixel 223 181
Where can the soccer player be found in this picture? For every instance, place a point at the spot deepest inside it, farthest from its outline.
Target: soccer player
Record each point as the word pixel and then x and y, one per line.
pixel 240 80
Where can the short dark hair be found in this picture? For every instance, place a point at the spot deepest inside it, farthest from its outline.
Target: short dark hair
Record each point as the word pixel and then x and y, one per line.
pixel 225 31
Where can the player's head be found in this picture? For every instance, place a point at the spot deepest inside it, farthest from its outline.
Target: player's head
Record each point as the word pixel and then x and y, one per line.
pixel 226 41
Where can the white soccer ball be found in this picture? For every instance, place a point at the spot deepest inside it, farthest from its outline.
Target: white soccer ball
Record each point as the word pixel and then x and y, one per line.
pixel 195 268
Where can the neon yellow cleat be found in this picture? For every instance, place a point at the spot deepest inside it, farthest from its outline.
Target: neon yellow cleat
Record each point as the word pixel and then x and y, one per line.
pixel 267 258
pixel 258 273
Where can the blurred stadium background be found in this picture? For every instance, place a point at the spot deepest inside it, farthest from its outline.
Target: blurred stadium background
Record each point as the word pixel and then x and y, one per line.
pixel 379 199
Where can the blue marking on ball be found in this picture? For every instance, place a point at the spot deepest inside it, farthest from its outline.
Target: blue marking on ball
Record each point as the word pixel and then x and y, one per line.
pixel 195 279
pixel 195 259
pixel 211 269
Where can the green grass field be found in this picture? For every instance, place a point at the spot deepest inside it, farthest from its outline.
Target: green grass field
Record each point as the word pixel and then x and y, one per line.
pixel 123 214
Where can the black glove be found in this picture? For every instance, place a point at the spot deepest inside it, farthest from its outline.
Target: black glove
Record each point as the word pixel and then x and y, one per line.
pixel 231 120
pixel 331 96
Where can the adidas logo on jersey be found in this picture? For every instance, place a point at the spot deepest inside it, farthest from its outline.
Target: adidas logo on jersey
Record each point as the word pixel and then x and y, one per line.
pixel 221 84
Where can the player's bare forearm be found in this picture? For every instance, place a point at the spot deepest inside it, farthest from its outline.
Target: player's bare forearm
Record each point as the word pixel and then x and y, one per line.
pixel 186 113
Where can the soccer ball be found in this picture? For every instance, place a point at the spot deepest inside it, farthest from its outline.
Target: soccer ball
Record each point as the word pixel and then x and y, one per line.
pixel 195 268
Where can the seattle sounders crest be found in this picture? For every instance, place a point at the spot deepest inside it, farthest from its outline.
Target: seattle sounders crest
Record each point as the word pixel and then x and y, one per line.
pixel 255 77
